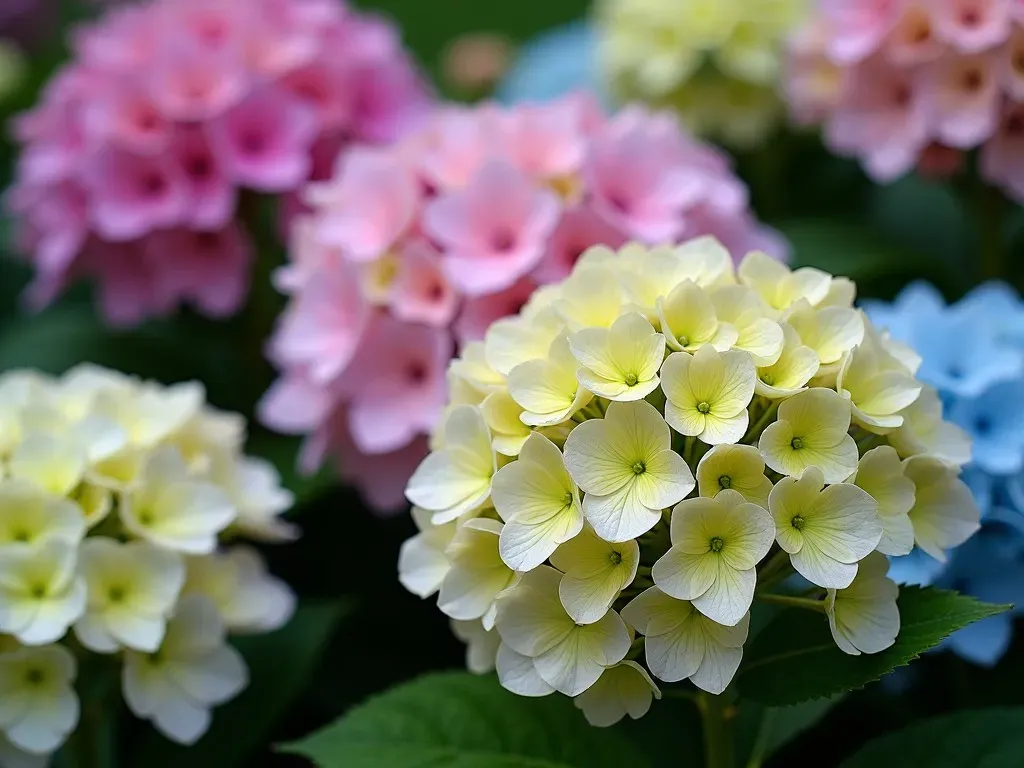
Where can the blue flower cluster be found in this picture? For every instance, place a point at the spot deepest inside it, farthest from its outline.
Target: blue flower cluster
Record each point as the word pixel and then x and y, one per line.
pixel 973 354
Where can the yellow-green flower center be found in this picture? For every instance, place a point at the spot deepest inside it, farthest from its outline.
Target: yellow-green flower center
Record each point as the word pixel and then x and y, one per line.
pixel 768 379
pixel 683 341
pixel 703 406
pixel 639 468
pixel 39 591
pixel 35 676
pixel 631 379
pixel 725 482
pixel 615 557
pixel 716 543
pixel 567 499
pixel 797 522
pixel 796 443
pixel 115 594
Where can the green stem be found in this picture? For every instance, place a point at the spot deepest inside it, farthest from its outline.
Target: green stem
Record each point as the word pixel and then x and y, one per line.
pixel 764 732
pixel 759 426
pixel 688 450
pixel 794 602
pixel 716 722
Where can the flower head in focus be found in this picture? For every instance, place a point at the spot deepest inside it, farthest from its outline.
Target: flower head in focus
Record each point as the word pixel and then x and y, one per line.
pixel 413 252
pixel 717 62
pixel 113 507
pixel 580 560
pixel 137 158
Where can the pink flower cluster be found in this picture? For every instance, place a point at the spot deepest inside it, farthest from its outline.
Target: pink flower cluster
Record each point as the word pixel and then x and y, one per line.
pixel 414 250
pixel 901 84
pixel 134 161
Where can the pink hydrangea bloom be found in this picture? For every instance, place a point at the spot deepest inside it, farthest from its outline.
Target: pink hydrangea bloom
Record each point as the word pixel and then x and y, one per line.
pixel 411 251
pixel 135 159
pixel 907 85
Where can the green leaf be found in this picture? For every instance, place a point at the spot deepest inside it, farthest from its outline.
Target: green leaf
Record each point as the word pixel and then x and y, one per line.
pixel 795 658
pixel 981 738
pixel 280 665
pixel 764 730
pixel 459 720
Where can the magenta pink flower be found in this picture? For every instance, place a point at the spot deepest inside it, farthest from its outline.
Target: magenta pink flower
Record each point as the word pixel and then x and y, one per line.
pixel 408 252
pixel 914 84
pixel 172 109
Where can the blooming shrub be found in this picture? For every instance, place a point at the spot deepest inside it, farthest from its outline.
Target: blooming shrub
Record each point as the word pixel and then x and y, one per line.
pixel 900 85
pixel 114 496
pixel 717 62
pixel 652 440
pixel 982 388
pixel 134 162
pixel 413 250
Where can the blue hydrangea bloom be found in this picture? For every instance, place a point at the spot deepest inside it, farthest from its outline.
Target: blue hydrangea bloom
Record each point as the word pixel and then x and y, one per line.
pixel 553 64
pixel 973 354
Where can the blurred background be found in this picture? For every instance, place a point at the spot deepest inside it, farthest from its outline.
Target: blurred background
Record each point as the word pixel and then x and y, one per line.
pixel 357 630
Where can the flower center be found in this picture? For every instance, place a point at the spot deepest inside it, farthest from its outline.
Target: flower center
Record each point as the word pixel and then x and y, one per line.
pixel 796 443
pixel 20 535
pixel 639 468
pixel 39 591
pixel 768 379
pixel 716 544
pixel 615 557
pixel 35 676
pixel 797 522
pixel 683 341
pixel 567 499
pixel 725 482
pixel 631 379
pixel 115 594
pixel 703 406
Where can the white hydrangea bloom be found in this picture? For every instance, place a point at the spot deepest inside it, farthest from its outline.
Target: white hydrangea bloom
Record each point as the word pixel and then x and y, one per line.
pixel 114 495
pixel 553 511
pixel 624 689
pixel 863 617
pixel 38 705
pixel 133 588
pixel 192 671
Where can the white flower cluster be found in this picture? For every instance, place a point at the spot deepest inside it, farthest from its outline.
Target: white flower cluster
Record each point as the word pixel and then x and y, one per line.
pixel 654 442
pixel 114 495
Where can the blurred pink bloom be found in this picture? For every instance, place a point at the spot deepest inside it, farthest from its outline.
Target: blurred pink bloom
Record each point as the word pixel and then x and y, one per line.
pixel 914 84
pixel 421 293
pixel 859 26
pixel 397 384
pixel 494 231
pixel 168 112
pixel 972 25
pixel 636 181
pixel 373 201
pixel 405 252
pixel 963 99
pixel 321 331
pixel 882 120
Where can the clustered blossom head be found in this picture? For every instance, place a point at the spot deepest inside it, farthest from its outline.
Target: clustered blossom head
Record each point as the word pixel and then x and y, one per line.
pixel 981 385
pixel 649 441
pixel 135 160
pixel 115 495
pixel 717 62
pixel 905 84
pixel 414 250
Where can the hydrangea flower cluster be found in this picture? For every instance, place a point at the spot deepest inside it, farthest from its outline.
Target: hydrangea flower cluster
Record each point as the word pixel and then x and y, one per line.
pixel 415 249
pixel 717 62
pixel 114 496
pixel 654 442
pixel 982 387
pixel 134 162
pixel 900 85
